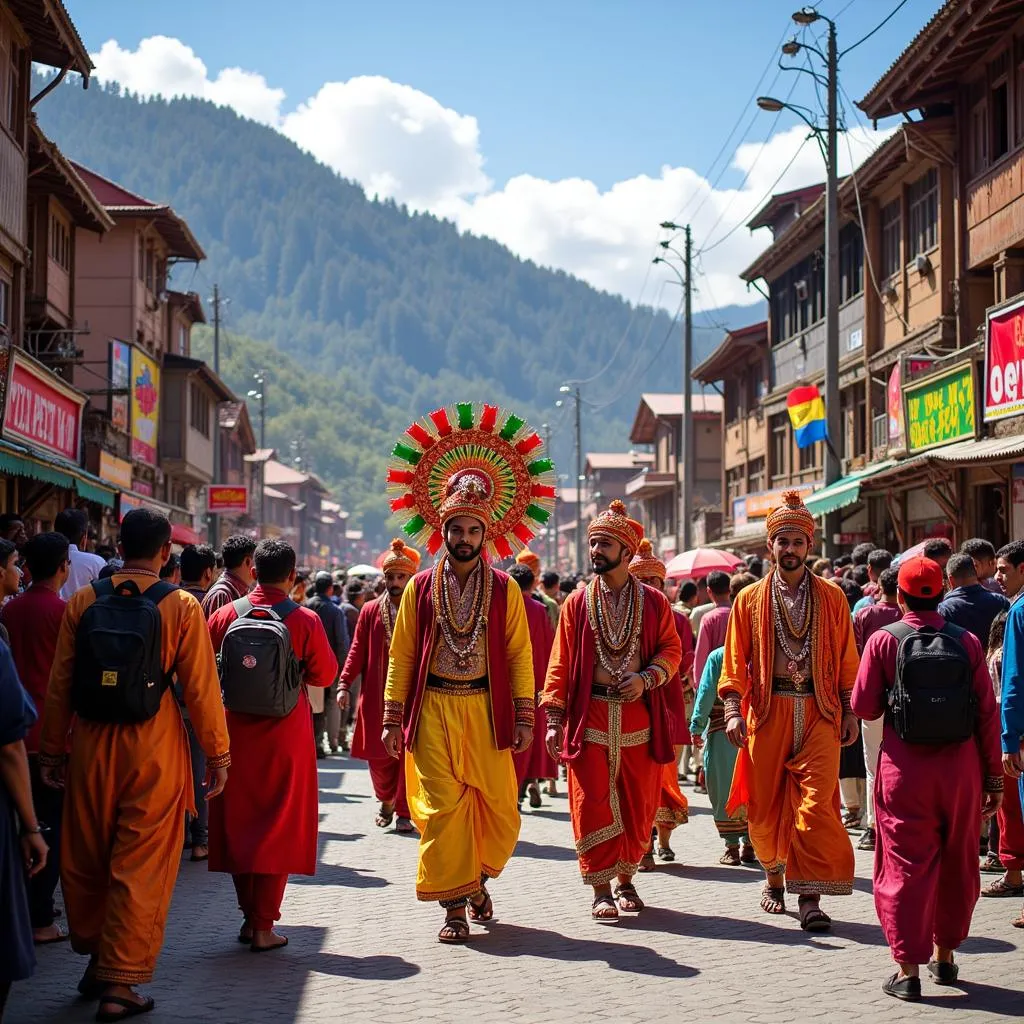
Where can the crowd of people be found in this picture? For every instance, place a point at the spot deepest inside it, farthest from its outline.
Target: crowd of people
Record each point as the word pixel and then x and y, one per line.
pixel 150 701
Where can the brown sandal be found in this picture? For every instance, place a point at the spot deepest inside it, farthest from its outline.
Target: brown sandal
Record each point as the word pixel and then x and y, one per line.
pixel 628 899
pixel 812 917
pixel 773 899
pixel 455 932
pixel 1001 889
pixel 600 906
pixel 483 911
pixel 731 857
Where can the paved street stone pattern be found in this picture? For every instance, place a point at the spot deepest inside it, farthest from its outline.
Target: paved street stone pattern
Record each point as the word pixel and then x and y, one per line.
pixel 362 949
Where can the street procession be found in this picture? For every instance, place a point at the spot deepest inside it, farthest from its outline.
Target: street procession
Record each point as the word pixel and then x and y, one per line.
pixel 498 587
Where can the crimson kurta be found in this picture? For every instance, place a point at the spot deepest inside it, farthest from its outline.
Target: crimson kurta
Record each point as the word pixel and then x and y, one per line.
pixel 536 762
pixel 368 657
pixel 265 822
pixel 927 808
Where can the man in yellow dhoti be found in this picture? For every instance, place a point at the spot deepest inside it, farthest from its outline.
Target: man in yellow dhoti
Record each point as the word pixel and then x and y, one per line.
pixel 460 680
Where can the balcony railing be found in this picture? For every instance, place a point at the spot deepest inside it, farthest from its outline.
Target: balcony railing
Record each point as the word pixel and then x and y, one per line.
pixel 879 432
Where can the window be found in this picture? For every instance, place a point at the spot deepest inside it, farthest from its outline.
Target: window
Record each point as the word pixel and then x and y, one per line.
pixel 809 456
pixel 798 298
pixel 752 387
pixel 755 475
pixel 199 412
pixel 150 268
pixel 860 430
pixel 780 447
pixel 182 340
pixel 733 389
pixel 60 243
pixel 851 262
pixel 5 302
pixel 999 105
pixel 924 214
pixel 891 241
pixel 142 258
pixel 734 481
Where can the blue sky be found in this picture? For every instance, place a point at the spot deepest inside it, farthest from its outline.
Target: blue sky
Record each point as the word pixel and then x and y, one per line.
pixel 507 106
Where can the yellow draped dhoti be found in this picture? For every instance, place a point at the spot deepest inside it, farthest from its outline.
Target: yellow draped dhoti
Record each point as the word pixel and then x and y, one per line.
pixel 462 795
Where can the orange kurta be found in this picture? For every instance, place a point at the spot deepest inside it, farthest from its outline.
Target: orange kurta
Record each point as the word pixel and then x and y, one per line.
pixel 791 763
pixel 127 790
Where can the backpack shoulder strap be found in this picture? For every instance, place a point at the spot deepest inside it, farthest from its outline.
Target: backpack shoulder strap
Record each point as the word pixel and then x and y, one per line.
pixel 242 607
pixel 899 630
pixel 952 630
pixel 103 587
pixel 158 591
pixel 284 608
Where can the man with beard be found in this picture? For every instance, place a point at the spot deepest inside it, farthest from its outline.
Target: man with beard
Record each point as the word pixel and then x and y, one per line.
pixel 789 667
pixel 368 659
pixel 460 689
pixel 615 653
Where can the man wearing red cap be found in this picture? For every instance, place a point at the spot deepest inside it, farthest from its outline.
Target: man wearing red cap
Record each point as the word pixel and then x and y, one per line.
pixel 789 666
pixel 615 652
pixel 928 795
pixel 460 689
pixel 368 658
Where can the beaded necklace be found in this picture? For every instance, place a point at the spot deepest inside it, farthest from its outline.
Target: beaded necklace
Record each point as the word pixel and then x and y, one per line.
pixel 616 624
pixel 387 617
pixel 784 613
pixel 461 614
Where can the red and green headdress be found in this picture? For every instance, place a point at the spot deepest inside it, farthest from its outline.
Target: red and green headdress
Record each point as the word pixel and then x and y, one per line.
pixel 491 451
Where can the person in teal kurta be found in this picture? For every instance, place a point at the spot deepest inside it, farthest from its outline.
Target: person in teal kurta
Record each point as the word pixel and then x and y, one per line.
pixel 708 720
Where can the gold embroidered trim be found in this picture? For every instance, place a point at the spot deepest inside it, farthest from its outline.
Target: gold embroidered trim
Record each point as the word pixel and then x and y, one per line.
pixel 799 725
pixel 612 739
pixel 525 708
pixel 394 711
pixel 601 877
pixel 993 784
pixel 628 739
pixel 115 977
pixel 220 761
pixel 51 760
pixel 731 827
pixel 667 816
pixel 469 889
pixel 773 869
pixel 823 888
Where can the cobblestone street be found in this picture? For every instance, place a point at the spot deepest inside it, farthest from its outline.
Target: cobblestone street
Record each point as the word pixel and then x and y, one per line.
pixel 361 948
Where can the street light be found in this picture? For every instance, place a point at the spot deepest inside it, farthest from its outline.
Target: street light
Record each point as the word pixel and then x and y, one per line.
pixel 260 394
pixel 565 389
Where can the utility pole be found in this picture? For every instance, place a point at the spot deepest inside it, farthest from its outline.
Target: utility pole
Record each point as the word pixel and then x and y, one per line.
pixel 689 451
pixel 833 469
pixel 213 521
pixel 550 526
pixel 260 393
pixel 579 484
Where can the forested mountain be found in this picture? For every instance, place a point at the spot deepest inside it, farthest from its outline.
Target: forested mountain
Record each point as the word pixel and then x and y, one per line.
pixel 384 313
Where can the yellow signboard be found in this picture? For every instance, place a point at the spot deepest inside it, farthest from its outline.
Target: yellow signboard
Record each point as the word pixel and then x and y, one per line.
pixel 145 407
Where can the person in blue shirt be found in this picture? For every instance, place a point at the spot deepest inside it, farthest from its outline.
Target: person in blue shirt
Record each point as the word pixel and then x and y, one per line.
pixel 878 561
pixel 969 605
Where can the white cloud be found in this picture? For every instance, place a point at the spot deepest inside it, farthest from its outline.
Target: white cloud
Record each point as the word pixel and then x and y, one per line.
pixel 399 142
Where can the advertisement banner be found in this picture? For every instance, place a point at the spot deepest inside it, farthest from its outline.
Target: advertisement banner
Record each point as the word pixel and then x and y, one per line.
pixel 913 365
pixel 120 373
pixel 940 408
pixel 115 471
pixel 759 505
pixel 145 384
pixel 42 411
pixel 1004 363
pixel 227 499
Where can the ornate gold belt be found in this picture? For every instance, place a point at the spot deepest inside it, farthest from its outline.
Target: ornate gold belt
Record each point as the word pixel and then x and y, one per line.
pixel 457 685
pixel 791 688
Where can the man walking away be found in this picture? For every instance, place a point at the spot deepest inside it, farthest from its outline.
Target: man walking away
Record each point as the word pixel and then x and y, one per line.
pixel 969 605
pixel 878 561
pixel 32 620
pixel 711 635
pixel 198 567
pixel 356 596
pixel 939 765
pixel 984 554
pixel 126 779
pixel 236 579
pixel 73 523
pixel 939 550
pixel 336 628
pixel 265 827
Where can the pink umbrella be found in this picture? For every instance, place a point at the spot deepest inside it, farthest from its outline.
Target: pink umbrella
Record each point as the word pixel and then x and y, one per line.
pixel 700 561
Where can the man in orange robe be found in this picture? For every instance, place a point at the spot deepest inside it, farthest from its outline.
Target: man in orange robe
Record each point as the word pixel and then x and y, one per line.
pixel 127 787
pixel 673 809
pixel 615 652
pixel 787 676
pixel 368 659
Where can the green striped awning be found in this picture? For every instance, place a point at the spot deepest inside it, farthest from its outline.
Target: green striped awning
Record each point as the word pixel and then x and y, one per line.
pixel 19 461
pixel 845 491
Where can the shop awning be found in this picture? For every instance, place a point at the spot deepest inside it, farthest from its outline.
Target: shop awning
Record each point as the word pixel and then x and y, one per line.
pixel 21 461
pixel 845 491
pixel 184 535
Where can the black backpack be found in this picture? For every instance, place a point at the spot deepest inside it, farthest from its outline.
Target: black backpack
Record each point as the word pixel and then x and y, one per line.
pixel 932 699
pixel 118 674
pixel 259 672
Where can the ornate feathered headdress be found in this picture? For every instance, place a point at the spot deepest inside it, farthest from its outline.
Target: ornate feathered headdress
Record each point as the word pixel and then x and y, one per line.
pixel 475 461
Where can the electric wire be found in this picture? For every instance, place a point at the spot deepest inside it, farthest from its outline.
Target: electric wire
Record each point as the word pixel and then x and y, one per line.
pixel 892 14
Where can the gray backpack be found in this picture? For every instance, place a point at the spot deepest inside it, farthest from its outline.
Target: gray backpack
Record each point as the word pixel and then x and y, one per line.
pixel 259 673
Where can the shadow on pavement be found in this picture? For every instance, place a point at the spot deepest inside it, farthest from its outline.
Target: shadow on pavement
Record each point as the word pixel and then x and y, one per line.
pixel 539 851
pixel 509 940
pixel 337 874
pixel 541 812
pixel 711 872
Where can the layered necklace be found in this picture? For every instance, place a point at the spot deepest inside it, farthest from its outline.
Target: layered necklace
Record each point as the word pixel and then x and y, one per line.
pixel 792 618
pixel 616 623
pixel 387 617
pixel 461 613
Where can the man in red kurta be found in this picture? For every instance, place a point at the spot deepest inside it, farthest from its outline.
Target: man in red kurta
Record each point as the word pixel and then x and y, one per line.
pixel 265 826
pixel 929 801
pixel 536 763
pixel 615 652
pixel 368 659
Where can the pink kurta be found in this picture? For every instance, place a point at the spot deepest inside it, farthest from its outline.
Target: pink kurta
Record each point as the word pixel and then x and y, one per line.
pixel 927 809
pixel 536 762
pixel 710 637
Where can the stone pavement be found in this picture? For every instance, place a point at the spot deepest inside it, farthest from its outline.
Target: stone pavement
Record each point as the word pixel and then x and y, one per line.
pixel 363 949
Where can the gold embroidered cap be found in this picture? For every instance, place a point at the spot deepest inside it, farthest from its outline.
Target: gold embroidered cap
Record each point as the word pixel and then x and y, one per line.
pixel 401 558
pixel 645 564
pixel 467 496
pixel 792 514
pixel 615 523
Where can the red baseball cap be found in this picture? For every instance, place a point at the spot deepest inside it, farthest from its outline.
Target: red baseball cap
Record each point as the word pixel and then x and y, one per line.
pixel 920 577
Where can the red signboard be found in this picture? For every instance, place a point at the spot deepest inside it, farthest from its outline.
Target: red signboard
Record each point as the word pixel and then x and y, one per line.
pixel 42 411
pixel 1004 363
pixel 227 498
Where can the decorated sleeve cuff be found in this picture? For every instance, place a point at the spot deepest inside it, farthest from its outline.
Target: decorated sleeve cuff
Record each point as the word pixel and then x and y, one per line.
pixel 845 699
pixel 733 705
pixel 394 712
pixel 993 784
pixel 220 761
pixel 661 671
pixel 525 710
pixel 51 760
pixel 555 712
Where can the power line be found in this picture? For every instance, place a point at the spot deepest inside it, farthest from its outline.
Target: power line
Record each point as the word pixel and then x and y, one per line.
pixel 892 14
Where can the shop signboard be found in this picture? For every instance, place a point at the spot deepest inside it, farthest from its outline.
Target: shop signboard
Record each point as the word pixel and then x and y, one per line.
pixel 119 372
pixel 227 499
pixel 1004 362
pixel 42 411
pixel 759 505
pixel 127 502
pixel 115 471
pixel 940 408
pixel 912 366
pixel 145 388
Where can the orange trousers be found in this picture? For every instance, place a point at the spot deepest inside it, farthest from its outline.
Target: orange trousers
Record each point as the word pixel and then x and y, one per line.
pixel 613 790
pixel 124 815
pixel 793 812
pixel 672 806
